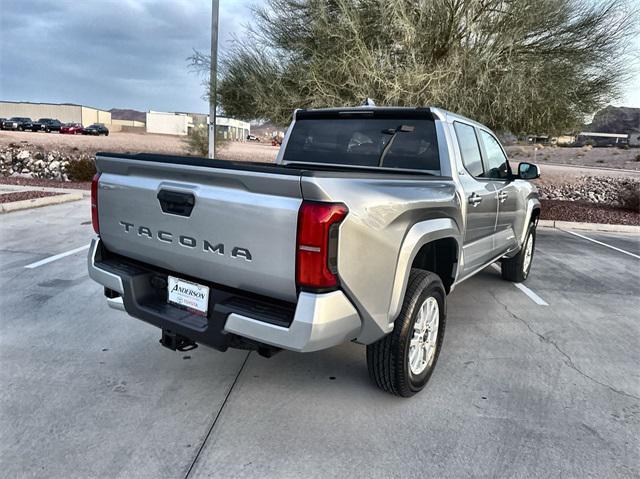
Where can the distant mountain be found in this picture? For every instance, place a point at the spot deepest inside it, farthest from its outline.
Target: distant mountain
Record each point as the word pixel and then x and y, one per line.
pixel 123 114
pixel 615 119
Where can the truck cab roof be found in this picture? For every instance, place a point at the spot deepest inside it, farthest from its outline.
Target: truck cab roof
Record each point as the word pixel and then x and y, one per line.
pixel 429 112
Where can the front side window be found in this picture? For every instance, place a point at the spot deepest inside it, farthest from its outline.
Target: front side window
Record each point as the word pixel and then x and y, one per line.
pixel 403 143
pixel 496 163
pixel 469 148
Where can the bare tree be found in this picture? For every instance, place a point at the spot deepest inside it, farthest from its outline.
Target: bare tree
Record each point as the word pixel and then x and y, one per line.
pixel 517 65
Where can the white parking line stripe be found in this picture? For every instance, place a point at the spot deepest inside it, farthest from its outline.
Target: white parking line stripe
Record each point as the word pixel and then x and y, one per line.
pixel 56 257
pixel 601 243
pixel 533 296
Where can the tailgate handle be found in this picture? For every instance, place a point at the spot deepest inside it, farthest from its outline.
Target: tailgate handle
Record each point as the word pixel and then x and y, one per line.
pixel 176 203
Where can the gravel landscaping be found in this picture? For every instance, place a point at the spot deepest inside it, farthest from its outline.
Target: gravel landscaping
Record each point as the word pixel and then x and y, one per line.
pixel 25 181
pixel 25 195
pixel 587 213
pixel 591 189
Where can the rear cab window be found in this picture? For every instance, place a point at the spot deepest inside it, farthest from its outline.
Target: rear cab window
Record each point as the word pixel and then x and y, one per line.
pixel 400 141
pixel 469 148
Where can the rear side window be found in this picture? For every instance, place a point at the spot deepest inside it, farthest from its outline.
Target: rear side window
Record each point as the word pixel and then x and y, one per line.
pixel 394 142
pixel 469 148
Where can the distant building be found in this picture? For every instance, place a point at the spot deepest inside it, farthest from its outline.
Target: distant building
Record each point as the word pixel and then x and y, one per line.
pixel 198 119
pixel 65 112
pixel 564 140
pixel 601 139
pixel 180 123
pixel 538 139
pixel 129 123
pixel 167 123
pixel 231 129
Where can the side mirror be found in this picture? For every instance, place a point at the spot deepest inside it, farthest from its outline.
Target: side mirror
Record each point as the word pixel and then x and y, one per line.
pixel 528 171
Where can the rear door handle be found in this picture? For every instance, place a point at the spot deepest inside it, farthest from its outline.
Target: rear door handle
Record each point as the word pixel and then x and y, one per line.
pixel 474 200
pixel 502 196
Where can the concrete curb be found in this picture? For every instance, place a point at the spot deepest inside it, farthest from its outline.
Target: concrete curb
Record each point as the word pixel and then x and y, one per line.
pixel 39 202
pixel 589 226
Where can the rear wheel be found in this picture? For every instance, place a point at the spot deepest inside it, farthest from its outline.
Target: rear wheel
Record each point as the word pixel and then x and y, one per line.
pixel 517 269
pixel 402 362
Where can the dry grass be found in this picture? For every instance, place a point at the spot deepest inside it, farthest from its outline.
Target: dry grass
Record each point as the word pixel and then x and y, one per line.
pixel 119 142
pixel 585 156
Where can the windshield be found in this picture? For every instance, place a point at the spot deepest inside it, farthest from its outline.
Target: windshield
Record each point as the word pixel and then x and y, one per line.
pixel 370 142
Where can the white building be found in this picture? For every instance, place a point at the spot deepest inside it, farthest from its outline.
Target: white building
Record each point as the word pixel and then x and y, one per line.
pixel 65 112
pixel 231 129
pixel 166 123
pixel 601 139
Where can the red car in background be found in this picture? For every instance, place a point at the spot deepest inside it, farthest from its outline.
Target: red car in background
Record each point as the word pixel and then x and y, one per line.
pixel 72 129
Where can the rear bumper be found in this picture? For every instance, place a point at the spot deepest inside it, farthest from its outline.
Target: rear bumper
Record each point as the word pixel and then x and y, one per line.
pixel 315 322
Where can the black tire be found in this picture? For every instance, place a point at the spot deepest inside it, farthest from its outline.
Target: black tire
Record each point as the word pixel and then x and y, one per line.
pixel 513 269
pixel 388 358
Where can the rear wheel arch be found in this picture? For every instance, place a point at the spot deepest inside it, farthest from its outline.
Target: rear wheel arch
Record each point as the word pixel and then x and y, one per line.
pixel 418 237
pixel 535 215
pixel 440 257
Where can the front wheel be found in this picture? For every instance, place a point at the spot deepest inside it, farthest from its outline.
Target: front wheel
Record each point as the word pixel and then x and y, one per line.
pixel 402 362
pixel 517 269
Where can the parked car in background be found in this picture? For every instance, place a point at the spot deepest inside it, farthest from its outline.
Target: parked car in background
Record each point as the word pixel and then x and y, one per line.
pixel 19 123
pixel 96 129
pixel 47 125
pixel 253 138
pixel 72 129
pixel 2 120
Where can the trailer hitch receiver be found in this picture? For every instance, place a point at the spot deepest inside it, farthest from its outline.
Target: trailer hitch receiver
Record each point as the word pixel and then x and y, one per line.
pixel 175 342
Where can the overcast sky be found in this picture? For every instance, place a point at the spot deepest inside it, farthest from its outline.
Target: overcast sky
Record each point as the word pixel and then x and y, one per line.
pixel 119 53
pixel 109 53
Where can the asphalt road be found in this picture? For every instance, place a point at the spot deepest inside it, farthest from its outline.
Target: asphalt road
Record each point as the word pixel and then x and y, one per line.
pixel 520 390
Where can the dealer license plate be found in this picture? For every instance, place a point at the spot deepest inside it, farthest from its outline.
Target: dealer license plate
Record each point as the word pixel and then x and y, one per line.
pixel 187 294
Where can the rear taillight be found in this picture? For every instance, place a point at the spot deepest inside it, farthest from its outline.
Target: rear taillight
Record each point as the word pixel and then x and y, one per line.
pixel 94 203
pixel 317 248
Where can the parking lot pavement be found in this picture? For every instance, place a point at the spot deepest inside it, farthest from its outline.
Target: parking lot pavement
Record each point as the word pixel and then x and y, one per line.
pixel 520 390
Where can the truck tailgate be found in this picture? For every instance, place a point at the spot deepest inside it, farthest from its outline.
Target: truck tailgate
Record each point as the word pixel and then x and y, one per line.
pixel 221 222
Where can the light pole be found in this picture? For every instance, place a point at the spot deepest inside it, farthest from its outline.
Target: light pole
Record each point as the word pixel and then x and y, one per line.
pixel 213 77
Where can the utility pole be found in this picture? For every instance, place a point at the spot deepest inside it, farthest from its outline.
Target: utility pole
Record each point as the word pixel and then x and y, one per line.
pixel 213 78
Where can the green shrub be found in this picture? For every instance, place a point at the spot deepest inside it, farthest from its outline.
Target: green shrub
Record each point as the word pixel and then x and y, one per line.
pixel 638 157
pixel 81 170
pixel 198 141
pixel 629 197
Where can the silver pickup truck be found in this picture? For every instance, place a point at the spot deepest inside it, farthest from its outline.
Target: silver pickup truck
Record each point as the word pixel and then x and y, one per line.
pixel 366 222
